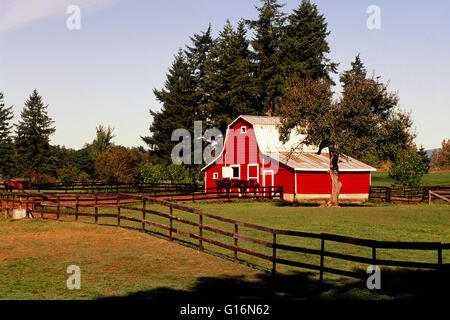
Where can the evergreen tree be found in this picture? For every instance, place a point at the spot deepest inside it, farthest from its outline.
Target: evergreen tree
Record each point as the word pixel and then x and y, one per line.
pixel 305 47
pixel 393 133
pixel 179 100
pixel 358 72
pixel 229 78
pixel 425 159
pixel 33 136
pixel 196 57
pixel 268 30
pixel 6 145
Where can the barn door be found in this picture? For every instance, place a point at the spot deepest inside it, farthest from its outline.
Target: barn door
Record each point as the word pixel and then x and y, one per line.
pixel 268 182
pixel 252 173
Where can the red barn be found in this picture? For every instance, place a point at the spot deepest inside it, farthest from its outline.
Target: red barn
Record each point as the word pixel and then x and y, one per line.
pixel 252 151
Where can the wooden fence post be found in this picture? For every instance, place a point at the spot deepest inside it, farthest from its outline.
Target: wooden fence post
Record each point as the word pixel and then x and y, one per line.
pixel 96 209
pixel 429 197
pixel 118 211
pixel 274 254
pixel 235 242
pixel 26 207
pixel 76 208
pixel 42 209
pixel 374 261
pixel 143 216
pixel 200 233
pixel 322 250
pixel 57 206
pixel 170 224
pixel 374 255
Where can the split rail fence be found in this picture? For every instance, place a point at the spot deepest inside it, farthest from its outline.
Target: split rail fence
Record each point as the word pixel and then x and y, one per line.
pixel 404 194
pixel 120 206
pixel 179 191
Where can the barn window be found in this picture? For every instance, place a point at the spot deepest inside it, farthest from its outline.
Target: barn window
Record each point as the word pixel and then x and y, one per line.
pixel 236 171
pixel 243 129
pixel 215 175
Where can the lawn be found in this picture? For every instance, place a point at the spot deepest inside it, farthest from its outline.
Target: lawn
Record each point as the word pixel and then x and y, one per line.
pixel 120 262
pixel 382 179
pixel 34 256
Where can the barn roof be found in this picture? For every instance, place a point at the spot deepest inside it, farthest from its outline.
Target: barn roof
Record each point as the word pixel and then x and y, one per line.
pixel 309 161
pixel 292 153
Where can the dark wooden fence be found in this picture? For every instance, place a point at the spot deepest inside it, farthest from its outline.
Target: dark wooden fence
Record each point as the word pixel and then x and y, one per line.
pixel 99 187
pixel 42 205
pixel 178 192
pixel 404 194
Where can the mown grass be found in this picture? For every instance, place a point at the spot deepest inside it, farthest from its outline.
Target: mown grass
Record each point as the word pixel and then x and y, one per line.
pixel 34 256
pixel 372 221
pixel 382 179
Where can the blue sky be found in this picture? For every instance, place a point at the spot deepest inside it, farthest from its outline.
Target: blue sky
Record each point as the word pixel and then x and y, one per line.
pixel 105 72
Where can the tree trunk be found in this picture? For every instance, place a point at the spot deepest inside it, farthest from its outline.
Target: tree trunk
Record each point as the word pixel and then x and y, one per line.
pixel 336 184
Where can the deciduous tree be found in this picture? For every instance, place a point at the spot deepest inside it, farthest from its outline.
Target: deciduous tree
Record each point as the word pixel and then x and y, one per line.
pixel 351 124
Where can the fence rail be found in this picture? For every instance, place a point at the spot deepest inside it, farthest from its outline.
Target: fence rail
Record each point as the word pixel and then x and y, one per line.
pixel 405 194
pixel 99 187
pixel 44 205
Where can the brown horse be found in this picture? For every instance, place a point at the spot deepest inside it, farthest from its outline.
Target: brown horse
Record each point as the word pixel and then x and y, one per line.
pixel 19 185
pixel 242 185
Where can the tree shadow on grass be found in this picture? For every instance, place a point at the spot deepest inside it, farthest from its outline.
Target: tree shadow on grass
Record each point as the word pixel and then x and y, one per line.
pixel 304 285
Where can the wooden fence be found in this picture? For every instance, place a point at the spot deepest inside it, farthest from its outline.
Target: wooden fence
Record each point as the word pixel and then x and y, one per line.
pixel 98 187
pixel 404 194
pixel 42 205
pixel 443 195
pixel 178 192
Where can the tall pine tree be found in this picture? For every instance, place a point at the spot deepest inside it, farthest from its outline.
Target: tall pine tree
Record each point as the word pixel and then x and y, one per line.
pixel 305 47
pixel 179 100
pixel 6 145
pixel 229 78
pixel 358 72
pixel 33 136
pixel 183 97
pixel 196 57
pixel 267 43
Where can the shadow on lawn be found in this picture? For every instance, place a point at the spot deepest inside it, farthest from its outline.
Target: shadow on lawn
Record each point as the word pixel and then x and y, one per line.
pixel 304 285
pixel 318 205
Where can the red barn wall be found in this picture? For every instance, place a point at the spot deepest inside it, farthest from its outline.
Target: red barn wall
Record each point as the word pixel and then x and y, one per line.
pixel 320 182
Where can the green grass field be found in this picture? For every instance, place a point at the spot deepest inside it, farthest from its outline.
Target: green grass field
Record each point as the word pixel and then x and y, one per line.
pixel 382 179
pixel 121 262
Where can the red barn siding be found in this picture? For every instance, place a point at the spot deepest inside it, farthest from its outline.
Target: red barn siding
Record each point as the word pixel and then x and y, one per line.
pixel 320 183
pixel 353 183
